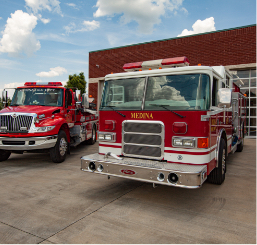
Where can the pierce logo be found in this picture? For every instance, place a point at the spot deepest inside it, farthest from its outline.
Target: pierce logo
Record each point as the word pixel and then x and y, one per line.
pixel 128 171
pixel 14 115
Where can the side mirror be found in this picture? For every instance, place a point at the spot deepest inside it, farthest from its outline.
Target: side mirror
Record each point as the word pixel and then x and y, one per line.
pixel 224 97
pixel 4 98
pixel 85 103
pixel 78 94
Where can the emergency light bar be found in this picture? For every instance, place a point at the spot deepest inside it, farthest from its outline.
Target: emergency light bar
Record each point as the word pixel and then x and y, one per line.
pixel 43 83
pixel 155 64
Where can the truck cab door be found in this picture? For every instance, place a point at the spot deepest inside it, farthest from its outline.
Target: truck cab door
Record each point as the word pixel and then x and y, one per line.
pixel 68 106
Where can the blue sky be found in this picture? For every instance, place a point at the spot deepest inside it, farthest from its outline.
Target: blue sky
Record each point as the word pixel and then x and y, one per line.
pixel 47 40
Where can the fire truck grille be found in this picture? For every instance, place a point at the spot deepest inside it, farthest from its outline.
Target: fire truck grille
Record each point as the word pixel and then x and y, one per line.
pixel 15 123
pixel 143 139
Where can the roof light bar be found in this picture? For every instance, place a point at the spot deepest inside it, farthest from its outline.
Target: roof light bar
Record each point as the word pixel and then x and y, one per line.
pixel 157 64
pixel 43 83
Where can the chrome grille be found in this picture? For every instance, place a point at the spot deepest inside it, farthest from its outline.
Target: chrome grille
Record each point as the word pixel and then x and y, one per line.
pixel 143 139
pixel 15 123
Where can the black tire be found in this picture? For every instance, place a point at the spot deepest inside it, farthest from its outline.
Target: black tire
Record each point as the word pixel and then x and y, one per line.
pixel 4 155
pixel 217 175
pixel 59 151
pixel 93 139
pixel 240 146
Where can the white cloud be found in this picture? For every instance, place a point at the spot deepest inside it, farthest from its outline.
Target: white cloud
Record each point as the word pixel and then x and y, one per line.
pixel 54 72
pixel 1 18
pixel 86 26
pixel 40 5
pixel 18 36
pixel 146 13
pixel 45 21
pixel 91 25
pixel 73 5
pixel 200 26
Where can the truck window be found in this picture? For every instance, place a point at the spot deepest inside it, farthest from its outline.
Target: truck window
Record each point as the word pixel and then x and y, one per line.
pixel 37 96
pixel 123 94
pixel 68 98
pixel 214 92
pixel 178 92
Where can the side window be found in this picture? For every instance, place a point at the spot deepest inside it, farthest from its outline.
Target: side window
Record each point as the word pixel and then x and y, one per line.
pixel 68 98
pixel 214 91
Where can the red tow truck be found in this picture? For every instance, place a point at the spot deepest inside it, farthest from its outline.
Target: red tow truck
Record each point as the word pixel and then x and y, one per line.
pixel 46 117
pixel 165 122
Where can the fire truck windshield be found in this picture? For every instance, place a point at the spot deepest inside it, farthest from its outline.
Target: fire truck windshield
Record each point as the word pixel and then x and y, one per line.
pixel 38 96
pixel 170 92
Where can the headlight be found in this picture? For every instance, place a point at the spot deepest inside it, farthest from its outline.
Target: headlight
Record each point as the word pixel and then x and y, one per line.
pixel 188 142
pixel 102 136
pixel 183 142
pixel 44 129
pixel 177 142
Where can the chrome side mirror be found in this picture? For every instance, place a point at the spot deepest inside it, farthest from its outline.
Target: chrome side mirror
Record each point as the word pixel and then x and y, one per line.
pixel 78 94
pixel 4 97
pixel 85 102
pixel 224 97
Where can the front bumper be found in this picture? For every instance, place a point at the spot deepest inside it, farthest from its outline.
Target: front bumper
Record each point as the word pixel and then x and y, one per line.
pixel 172 174
pixel 29 143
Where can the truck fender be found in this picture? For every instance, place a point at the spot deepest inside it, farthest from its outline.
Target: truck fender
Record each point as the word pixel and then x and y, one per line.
pixel 66 129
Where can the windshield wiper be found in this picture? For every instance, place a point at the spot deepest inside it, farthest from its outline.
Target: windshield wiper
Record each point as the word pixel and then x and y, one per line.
pixel 114 110
pixel 164 106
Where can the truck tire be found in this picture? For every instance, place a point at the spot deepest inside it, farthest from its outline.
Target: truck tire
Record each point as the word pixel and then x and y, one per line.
pixel 240 146
pixel 4 155
pixel 217 175
pixel 59 151
pixel 93 139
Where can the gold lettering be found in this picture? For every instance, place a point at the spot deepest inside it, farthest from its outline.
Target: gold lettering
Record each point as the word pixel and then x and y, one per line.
pixel 137 115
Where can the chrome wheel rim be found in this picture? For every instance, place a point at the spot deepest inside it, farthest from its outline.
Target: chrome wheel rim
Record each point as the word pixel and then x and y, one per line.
pixel 63 146
pixel 223 161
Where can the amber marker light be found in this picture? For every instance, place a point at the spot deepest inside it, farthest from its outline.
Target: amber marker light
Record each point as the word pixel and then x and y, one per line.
pixel 203 142
pixel 199 64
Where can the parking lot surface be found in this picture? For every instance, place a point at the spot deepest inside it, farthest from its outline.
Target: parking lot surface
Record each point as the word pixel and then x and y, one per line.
pixel 43 202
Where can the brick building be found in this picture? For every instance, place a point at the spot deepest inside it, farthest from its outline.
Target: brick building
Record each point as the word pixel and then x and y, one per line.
pixel 234 48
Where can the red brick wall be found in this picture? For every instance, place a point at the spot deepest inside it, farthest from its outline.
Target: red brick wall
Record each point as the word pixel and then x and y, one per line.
pixel 227 47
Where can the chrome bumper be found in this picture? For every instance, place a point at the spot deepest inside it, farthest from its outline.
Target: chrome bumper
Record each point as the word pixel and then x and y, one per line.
pixel 186 176
pixel 29 143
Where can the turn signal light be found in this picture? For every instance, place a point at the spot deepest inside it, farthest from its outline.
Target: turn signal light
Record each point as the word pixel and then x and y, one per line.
pixel 109 125
pixel 203 142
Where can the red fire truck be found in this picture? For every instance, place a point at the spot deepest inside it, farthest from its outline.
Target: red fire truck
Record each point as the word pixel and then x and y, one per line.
pixel 46 117
pixel 169 123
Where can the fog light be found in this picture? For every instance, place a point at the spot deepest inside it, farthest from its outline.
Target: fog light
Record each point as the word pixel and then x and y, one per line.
pixel 173 178
pixel 100 168
pixel 161 177
pixel 91 166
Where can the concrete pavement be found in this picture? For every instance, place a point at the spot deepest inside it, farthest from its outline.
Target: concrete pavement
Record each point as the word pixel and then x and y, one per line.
pixel 43 202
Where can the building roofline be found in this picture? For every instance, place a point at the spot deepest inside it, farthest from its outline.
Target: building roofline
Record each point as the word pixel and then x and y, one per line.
pixel 174 38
